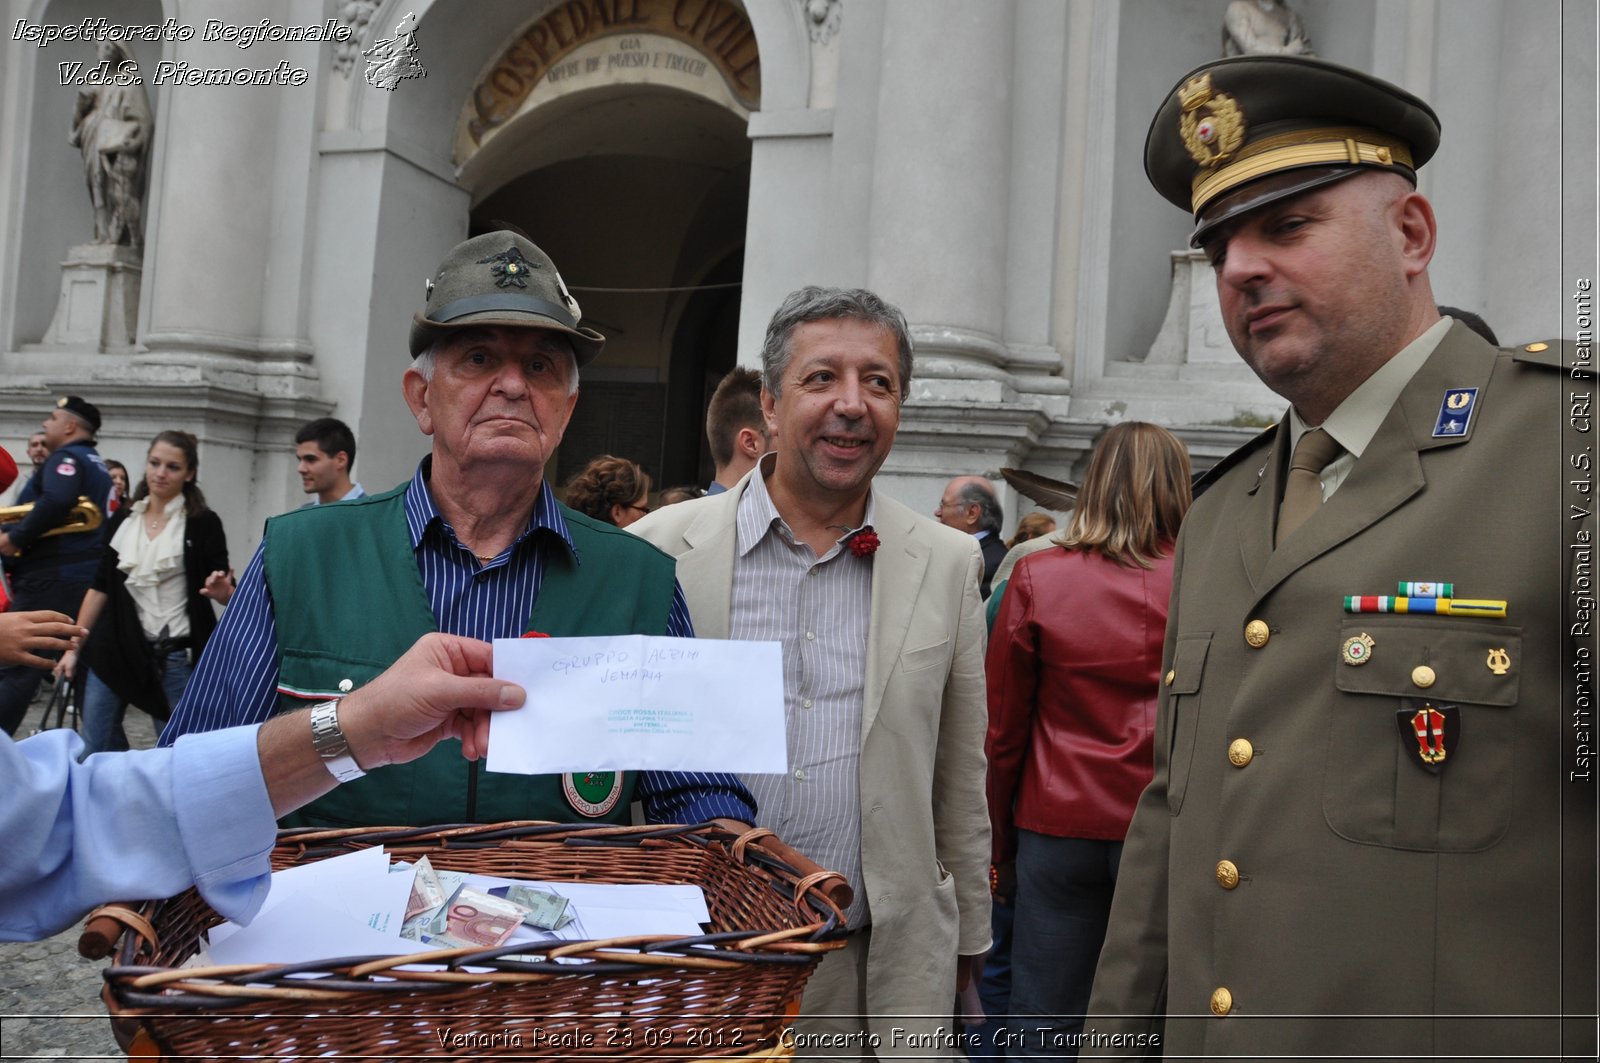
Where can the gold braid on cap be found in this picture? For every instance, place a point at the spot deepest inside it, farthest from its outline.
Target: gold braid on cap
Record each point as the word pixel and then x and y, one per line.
pixel 1212 126
pixel 1346 145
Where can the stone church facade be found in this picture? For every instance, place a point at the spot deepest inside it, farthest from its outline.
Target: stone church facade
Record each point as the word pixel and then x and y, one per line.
pixel 688 162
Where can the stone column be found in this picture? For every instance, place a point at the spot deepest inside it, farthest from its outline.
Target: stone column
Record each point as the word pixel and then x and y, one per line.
pixel 940 180
pixel 937 240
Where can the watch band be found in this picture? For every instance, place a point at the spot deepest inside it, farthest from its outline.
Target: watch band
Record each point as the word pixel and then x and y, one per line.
pixel 330 744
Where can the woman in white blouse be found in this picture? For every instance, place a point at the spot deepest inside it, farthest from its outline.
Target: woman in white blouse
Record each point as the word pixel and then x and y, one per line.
pixel 149 611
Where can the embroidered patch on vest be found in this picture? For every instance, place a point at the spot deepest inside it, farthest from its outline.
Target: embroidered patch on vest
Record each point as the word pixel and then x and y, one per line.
pixel 592 793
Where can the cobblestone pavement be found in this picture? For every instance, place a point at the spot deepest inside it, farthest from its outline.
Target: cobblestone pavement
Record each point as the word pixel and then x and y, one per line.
pixel 50 1005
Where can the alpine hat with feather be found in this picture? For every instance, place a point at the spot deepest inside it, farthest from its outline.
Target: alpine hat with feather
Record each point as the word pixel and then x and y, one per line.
pixel 501 278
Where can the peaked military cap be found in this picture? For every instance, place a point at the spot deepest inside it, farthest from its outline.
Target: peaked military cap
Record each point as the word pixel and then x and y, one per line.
pixel 87 410
pixel 1236 134
pixel 501 278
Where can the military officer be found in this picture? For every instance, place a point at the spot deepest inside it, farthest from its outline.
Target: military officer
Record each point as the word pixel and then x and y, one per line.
pixel 1354 840
pixel 53 572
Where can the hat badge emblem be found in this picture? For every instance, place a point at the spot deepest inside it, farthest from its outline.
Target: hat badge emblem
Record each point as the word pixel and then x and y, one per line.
pixel 509 268
pixel 1211 124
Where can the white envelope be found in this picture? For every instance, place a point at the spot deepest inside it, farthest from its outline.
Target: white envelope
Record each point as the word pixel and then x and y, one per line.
pixel 640 703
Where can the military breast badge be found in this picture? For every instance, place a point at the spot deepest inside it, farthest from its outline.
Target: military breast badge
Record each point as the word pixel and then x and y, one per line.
pixel 1430 732
pixel 1357 649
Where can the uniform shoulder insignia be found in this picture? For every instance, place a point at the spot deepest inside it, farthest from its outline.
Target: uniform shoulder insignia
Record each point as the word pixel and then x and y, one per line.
pixel 1557 354
pixel 1215 473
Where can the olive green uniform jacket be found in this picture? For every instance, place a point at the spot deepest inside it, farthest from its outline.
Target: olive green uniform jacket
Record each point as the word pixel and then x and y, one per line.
pixel 1367 906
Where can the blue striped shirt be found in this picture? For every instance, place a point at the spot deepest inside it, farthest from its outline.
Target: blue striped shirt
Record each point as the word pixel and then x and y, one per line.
pixel 236 680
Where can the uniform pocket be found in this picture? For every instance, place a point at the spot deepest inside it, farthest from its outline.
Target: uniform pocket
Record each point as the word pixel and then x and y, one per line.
pixel 1378 786
pixel 309 675
pixel 1179 719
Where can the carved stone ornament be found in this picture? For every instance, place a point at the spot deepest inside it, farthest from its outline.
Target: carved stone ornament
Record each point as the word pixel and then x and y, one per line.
pixel 357 15
pixel 822 18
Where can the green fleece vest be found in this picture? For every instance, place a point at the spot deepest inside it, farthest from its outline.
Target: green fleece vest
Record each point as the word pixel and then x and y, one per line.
pixel 349 600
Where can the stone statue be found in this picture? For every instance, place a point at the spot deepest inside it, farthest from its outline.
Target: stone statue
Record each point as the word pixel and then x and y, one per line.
pixel 1263 27
pixel 111 125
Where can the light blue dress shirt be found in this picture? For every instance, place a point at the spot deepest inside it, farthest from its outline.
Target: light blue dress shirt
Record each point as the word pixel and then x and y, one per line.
pixel 130 826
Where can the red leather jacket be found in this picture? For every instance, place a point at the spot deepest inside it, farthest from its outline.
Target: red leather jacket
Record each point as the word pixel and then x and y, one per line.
pixel 1074 671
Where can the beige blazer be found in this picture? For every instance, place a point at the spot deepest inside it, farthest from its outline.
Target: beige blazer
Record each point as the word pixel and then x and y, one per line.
pixel 924 824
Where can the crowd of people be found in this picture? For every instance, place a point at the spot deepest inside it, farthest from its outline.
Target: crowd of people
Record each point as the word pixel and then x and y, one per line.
pixel 1184 797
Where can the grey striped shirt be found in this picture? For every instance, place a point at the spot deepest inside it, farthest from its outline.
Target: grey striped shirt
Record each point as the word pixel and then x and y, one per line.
pixel 820 609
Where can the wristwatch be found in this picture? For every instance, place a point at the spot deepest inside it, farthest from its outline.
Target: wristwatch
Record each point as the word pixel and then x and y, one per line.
pixel 330 744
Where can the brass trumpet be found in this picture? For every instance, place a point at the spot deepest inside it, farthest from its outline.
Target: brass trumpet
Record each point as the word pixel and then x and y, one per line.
pixel 85 516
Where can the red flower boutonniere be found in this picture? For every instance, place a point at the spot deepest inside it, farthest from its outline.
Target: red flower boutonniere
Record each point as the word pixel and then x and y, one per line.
pixel 864 543
pixel 534 635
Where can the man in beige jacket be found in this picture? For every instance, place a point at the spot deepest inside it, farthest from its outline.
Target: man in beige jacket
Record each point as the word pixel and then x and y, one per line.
pixel 883 637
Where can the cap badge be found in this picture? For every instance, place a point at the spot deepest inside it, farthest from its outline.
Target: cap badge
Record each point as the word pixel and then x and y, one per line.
pixel 62 401
pixel 1211 124
pixel 510 268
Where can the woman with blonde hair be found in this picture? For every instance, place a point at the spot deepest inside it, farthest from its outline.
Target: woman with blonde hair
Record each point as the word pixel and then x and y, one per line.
pixel 1074 674
pixel 610 489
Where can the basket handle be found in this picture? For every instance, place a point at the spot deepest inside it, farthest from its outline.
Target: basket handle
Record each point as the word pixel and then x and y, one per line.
pixel 105 926
pixel 831 884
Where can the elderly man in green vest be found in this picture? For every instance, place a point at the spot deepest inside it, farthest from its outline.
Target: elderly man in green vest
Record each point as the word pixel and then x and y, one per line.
pixel 474 544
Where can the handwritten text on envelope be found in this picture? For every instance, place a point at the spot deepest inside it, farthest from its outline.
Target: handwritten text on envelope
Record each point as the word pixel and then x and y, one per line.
pixel 640 703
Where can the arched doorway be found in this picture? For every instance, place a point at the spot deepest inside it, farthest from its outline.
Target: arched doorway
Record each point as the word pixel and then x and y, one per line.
pixel 628 162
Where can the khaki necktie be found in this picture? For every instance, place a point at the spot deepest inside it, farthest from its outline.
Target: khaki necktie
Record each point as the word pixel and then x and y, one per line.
pixel 1302 493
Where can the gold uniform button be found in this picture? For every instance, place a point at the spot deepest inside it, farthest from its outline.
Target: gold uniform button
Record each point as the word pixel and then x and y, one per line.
pixel 1423 676
pixel 1227 874
pixel 1256 633
pixel 1171 675
pixel 1240 752
pixel 1535 348
pixel 1221 1001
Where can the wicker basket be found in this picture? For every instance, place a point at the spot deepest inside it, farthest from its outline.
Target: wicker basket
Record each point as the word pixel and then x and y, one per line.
pixel 726 994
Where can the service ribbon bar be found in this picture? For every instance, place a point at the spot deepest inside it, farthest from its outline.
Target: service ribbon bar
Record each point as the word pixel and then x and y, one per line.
pixel 1384 603
pixel 1427 590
